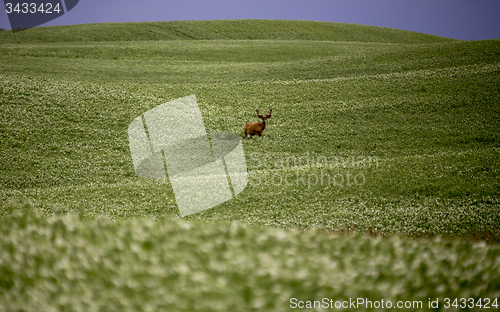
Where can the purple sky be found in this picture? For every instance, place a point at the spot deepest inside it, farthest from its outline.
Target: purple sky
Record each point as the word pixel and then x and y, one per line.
pixel 459 19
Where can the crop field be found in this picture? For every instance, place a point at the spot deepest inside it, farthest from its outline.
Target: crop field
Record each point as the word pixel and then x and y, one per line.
pixel 377 177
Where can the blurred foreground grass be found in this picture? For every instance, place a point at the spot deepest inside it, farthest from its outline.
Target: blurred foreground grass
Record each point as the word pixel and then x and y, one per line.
pixel 65 263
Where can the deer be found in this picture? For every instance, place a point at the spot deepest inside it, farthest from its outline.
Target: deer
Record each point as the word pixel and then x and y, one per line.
pixel 256 128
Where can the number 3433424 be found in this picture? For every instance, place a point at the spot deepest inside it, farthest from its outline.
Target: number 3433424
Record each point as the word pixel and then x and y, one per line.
pixel 470 303
pixel 32 8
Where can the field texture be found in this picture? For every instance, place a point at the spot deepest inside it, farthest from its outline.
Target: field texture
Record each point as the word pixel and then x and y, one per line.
pixel 375 132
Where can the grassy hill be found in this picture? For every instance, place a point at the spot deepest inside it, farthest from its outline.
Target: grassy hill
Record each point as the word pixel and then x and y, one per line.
pixel 218 29
pixel 412 121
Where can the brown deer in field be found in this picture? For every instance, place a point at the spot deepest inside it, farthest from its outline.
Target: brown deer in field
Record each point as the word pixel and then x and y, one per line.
pixel 256 128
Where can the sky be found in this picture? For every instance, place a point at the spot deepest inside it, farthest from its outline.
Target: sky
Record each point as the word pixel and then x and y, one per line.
pixel 458 19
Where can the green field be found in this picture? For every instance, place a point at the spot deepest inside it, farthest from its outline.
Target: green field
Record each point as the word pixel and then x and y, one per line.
pixel 406 124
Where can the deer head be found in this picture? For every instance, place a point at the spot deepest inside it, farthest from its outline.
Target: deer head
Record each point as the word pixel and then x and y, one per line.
pixel 264 118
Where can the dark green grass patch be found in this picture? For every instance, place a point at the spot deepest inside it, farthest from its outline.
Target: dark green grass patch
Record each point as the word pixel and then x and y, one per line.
pixel 187 62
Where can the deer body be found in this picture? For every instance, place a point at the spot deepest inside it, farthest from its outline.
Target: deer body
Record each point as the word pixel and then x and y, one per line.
pixel 256 128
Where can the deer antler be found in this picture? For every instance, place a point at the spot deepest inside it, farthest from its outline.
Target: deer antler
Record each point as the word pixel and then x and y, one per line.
pixel 258 115
pixel 269 116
